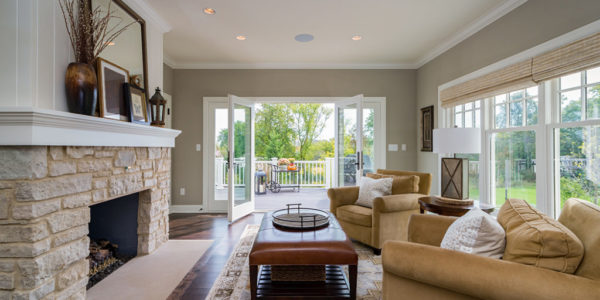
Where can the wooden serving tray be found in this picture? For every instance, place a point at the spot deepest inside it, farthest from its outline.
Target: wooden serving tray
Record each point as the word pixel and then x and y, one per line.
pixel 455 201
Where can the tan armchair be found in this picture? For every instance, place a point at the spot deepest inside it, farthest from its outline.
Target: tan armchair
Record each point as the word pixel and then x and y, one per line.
pixel 387 220
pixel 419 269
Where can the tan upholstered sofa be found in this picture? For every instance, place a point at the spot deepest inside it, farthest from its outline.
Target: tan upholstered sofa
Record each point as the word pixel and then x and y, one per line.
pixel 419 269
pixel 387 220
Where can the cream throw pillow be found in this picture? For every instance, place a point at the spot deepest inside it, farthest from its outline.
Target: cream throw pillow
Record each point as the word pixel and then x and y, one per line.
pixel 372 188
pixel 477 233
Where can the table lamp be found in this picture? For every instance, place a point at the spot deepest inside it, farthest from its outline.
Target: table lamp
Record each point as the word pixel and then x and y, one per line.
pixel 455 171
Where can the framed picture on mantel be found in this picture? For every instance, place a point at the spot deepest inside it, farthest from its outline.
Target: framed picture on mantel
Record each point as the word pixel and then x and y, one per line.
pixel 427 129
pixel 111 96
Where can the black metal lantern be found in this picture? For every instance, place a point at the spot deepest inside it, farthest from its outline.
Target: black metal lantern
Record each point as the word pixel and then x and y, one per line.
pixel 260 182
pixel 157 109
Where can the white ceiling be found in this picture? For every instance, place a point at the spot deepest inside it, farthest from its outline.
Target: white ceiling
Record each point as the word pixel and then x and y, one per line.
pixel 396 33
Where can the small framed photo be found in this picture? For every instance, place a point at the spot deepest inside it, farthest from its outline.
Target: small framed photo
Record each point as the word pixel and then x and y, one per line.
pixel 111 95
pixel 136 101
pixel 427 129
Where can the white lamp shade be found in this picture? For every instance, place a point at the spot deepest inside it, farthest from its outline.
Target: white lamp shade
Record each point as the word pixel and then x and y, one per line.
pixel 457 140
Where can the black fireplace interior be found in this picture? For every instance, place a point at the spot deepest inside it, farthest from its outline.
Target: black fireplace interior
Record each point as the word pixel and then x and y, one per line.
pixel 117 222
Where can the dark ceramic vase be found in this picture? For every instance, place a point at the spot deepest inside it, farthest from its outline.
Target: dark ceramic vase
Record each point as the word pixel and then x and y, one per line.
pixel 82 89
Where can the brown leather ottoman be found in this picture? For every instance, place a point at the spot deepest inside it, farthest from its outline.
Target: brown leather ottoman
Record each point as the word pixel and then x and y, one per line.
pixel 327 246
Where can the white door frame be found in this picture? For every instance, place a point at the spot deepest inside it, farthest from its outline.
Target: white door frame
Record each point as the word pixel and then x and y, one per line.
pixel 208 169
pixel 208 136
pixel 235 212
pixel 358 102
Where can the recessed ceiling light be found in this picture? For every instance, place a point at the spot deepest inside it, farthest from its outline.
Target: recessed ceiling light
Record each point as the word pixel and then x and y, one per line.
pixel 304 37
pixel 357 38
pixel 240 37
pixel 210 11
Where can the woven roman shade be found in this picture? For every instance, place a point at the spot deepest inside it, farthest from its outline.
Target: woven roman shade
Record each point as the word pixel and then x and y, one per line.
pixel 507 79
pixel 574 57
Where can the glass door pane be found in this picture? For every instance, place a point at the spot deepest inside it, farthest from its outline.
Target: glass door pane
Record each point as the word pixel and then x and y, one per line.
pixel 349 136
pixel 240 158
pixel 368 140
pixel 514 166
pixel 221 170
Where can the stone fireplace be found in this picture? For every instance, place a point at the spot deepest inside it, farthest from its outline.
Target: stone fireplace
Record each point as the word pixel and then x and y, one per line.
pixel 45 198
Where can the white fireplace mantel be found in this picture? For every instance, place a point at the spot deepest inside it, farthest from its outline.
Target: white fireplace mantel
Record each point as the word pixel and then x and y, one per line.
pixel 30 126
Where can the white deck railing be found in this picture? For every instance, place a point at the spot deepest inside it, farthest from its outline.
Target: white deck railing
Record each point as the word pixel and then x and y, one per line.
pixel 312 173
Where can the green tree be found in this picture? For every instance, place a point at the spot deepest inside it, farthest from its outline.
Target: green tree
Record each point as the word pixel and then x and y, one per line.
pixel 239 140
pixel 322 149
pixel 307 123
pixel 274 136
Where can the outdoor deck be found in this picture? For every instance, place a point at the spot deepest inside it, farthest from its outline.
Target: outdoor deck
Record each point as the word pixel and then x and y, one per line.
pixel 309 197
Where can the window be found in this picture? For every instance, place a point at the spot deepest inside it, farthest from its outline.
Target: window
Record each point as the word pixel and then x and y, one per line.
pixel 516 109
pixel 577 137
pixel 468 115
pixel 579 95
pixel 544 159
pixel 577 162
pixel 513 166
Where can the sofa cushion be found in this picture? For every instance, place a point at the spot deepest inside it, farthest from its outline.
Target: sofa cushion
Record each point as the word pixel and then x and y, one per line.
pixel 402 184
pixel 533 238
pixel 476 233
pixel 583 218
pixel 372 188
pixel 355 214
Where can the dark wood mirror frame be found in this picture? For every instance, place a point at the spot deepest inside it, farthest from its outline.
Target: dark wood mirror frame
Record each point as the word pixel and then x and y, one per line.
pixel 142 22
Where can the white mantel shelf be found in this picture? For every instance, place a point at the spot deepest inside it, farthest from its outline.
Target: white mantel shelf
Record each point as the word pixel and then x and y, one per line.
pixel 29 126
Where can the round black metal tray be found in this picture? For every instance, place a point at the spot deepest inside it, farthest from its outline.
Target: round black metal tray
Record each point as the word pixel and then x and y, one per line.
pixel 300 218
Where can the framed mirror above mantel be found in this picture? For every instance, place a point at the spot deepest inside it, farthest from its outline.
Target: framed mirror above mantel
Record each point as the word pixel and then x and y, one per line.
pixel 128 51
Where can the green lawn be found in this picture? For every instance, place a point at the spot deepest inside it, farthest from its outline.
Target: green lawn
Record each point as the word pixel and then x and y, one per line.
pixel 525 192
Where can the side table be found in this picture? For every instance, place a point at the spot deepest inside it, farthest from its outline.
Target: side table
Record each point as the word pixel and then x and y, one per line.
pixel 431 204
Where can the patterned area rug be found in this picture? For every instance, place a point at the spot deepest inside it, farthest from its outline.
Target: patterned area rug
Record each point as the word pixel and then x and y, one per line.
pixel 234 281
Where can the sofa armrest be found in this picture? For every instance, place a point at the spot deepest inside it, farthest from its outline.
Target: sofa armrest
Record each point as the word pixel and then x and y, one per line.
pixel 482 277
pixel 395 203
pixel 428 229
pixel 341 196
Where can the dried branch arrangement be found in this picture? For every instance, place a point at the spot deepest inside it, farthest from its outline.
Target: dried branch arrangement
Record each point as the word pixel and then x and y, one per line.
pixel 90 30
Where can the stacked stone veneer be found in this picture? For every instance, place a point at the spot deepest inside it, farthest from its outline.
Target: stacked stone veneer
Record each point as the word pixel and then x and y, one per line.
pixel 45 194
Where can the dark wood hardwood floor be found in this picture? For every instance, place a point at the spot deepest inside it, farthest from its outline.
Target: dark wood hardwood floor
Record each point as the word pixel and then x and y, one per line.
pixel 197 283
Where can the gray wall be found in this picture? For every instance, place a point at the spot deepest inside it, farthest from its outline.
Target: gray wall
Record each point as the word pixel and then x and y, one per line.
pixel 190 86
pixel 531 24
pixel 167 79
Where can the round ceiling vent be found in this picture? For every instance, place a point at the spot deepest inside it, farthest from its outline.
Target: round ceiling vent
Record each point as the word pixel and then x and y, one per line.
pixel 304 38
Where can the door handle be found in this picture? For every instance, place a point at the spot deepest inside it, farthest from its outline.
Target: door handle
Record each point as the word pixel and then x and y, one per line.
pixel 358 160
pixel 228 159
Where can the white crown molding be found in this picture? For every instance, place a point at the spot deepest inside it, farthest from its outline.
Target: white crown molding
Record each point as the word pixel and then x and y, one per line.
pixel 29 126
pixel 289 66
pixel 167 60
pixel 149 14
pixel 480 23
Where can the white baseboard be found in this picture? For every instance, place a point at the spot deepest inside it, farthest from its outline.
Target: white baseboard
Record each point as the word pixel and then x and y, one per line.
pixel 190 209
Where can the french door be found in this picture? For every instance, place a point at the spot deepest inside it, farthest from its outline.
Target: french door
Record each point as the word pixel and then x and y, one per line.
pixel 349 158
pixel 240 158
